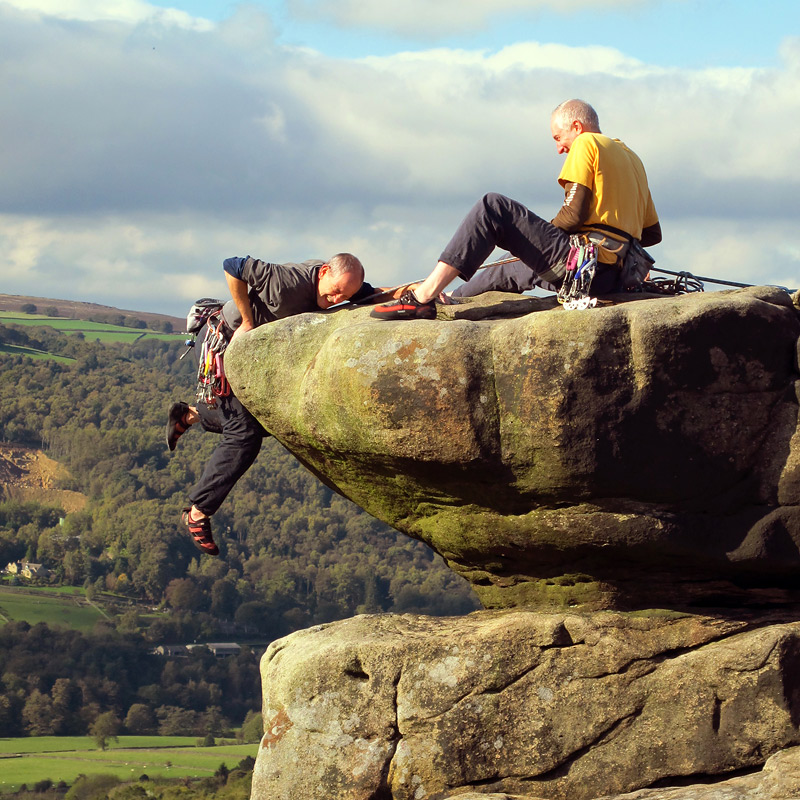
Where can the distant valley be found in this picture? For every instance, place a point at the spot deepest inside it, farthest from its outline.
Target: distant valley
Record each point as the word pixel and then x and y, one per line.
pixel 75 309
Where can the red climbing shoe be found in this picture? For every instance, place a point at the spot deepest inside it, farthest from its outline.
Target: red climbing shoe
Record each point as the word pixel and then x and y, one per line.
pixel 200 531
pixel 176 423
pixel 405 307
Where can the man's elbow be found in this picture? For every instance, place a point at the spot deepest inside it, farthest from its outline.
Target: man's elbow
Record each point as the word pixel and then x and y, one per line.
pixel 233 267
pixel 651 235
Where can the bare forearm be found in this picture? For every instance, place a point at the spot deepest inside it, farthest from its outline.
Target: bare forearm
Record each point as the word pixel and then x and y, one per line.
pixel 238 290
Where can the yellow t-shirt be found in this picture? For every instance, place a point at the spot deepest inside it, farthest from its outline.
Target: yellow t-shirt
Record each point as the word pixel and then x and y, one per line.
pixel 616 177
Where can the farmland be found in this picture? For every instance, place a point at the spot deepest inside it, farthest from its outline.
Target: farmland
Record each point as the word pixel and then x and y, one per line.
pixel 91 331
pixel 64 758
pixel 67 609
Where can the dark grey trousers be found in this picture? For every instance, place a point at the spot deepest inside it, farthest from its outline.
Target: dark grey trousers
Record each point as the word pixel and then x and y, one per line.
pixel 498 221
pixel 242 435
pixel 542 249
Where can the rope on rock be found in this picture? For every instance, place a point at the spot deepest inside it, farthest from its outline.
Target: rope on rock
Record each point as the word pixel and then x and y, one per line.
pixel 682 283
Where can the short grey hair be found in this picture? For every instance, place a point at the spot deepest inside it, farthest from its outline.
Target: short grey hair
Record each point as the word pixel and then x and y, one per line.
pixel 343 263
pixel 571 110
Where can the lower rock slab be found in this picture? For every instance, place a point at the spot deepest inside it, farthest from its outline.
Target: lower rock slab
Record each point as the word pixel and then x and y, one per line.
pixel 525 704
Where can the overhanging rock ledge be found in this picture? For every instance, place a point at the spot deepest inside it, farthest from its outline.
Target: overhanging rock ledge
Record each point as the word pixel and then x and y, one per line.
pixel 636 455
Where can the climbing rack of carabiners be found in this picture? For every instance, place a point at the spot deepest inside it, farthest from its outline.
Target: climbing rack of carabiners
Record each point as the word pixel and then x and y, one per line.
pixel 575 291
pixel 211 380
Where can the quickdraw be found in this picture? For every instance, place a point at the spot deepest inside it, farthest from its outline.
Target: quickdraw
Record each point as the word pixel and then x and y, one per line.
pixel 211 380
pixel 575 291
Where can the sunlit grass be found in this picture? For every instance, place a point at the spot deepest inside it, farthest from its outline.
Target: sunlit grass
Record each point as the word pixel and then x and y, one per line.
pixel 54 609
pixel 64 758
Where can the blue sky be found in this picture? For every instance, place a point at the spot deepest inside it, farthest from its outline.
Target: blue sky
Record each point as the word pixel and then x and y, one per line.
pixel 144 142
pixel 686 33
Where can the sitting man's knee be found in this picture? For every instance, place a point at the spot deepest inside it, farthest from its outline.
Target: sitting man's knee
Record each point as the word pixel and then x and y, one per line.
pixel 494 199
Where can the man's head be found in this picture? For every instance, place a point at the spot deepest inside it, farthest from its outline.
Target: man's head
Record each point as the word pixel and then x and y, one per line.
pixel 339 280
pixel 569 120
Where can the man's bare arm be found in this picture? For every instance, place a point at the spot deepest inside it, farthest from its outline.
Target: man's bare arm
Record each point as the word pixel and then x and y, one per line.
pixel 238 290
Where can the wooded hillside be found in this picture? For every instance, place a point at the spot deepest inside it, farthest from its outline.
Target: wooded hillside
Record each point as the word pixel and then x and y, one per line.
pixel 293 553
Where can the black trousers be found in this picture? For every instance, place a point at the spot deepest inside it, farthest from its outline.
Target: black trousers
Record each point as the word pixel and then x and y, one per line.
pixel 242 435
pixel 542 248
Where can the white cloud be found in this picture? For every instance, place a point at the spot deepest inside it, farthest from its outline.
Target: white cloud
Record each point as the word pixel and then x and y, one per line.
pixel 426 18
pixel 136 156
pixel 130 12
pixel 722 248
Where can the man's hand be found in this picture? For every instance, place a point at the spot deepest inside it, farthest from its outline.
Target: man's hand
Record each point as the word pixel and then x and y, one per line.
pixel 243 328
pixel 398 292
pixel 442 298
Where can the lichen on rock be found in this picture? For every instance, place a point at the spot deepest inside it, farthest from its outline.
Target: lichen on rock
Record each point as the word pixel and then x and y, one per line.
pixel 650 447
pixel 621 485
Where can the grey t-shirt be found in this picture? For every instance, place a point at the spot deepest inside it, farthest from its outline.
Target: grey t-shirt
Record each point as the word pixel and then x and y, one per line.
pixel 278 290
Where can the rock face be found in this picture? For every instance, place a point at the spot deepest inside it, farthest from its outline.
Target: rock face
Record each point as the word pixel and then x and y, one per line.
pixel 638 455
pixel 528 704
pixel 633 456
pixel 779 780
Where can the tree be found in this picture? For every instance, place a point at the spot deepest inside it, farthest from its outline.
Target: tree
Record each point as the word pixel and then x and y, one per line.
pixel 252 728
pixel 253 616
pixel 105 727
pixel 215 722
pixel 129 622
pixel 222 771
pixel 51 311
pixel 224 599
pixel 66 696
pixel 39 715
pixel 88 787
pixel 184 594
pixel 9 716
pixel 174 721
pixel 141 720
pixel 28 308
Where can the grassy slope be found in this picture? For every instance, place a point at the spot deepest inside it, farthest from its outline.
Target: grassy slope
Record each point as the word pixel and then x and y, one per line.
pixel 91 330
pixel 50 607
pixel 33 759
pixel 75 309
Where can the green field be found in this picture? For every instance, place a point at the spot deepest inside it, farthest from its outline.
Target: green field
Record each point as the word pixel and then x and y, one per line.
pixel 91 330
pixel 14 350
pixel 32 759
pixel 54 608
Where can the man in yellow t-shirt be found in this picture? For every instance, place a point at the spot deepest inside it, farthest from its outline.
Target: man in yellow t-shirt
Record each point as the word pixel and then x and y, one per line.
pixel 605 185
pixel 606 197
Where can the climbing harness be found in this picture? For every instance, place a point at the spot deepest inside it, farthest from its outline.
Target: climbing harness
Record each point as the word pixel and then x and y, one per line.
pixel 575 291
pixel 211 380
